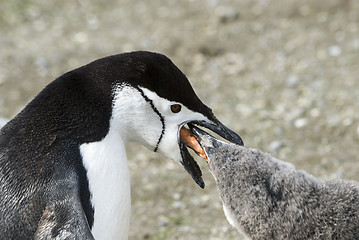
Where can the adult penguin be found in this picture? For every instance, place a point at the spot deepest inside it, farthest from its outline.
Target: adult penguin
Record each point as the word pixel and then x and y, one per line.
pixel 63 165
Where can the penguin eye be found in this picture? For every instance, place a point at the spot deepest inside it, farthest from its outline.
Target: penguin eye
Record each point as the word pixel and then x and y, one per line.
pixel 176 108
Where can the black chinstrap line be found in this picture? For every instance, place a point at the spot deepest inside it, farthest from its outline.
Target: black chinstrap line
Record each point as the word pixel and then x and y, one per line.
pixel 162 119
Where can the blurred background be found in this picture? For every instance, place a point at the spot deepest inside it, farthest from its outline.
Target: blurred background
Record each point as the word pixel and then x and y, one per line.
pixel 283 74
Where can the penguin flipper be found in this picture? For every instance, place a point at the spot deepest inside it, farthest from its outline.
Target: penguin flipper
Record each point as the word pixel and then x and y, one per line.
pixel 64 219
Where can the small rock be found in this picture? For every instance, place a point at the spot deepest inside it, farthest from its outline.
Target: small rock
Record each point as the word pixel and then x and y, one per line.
pixel 292 81
pixel 211 51
pixel 178 204
pixel 334 50
pixel 177 196
pixel 195 201
pixel 147 236
pixel 80 37
pixel 348 121
pixel 229 17
pixel 205 198
pixel 300 122
pixel 315 112
pixel 162 223
pixel 41 62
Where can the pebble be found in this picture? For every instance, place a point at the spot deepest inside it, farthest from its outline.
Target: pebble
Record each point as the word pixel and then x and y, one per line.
pixel 301 122
pixel 177 196
pixel 178 204
pixel 334 51
pixel 292 81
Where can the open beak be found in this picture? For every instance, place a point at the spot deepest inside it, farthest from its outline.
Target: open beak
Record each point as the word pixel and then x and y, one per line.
pixel 187 139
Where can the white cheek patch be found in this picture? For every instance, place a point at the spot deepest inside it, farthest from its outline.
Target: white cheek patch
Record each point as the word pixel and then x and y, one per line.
pixel 133 116
pixel 168 144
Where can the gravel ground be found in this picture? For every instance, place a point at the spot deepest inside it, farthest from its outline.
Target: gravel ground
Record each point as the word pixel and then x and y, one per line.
pixel 283 74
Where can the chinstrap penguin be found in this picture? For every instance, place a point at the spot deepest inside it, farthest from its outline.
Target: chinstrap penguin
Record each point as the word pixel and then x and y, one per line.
pixel 63 165
pixel 268 199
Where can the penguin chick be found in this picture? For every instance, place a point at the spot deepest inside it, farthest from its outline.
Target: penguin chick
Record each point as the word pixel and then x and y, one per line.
pixel 267 199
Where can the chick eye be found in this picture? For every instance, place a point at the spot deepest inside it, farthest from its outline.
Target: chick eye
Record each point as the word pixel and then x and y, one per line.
pixel 176 108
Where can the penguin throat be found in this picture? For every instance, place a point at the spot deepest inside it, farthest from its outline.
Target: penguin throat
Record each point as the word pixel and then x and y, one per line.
pixel 136 118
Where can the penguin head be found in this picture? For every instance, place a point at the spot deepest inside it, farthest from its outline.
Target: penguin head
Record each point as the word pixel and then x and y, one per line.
pixel 151 101
pixel 159 100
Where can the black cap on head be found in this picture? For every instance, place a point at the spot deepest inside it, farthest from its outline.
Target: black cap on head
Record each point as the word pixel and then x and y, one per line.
pixel 153 71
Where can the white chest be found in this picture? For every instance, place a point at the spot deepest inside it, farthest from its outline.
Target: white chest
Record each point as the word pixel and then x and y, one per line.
pixel 109 184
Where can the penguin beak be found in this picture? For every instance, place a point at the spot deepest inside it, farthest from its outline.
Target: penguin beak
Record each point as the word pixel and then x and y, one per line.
pixel 221 130
pixel 187 139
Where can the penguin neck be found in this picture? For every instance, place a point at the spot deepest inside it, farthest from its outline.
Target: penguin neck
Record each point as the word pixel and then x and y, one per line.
pixel 107 170
pixel 109 185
